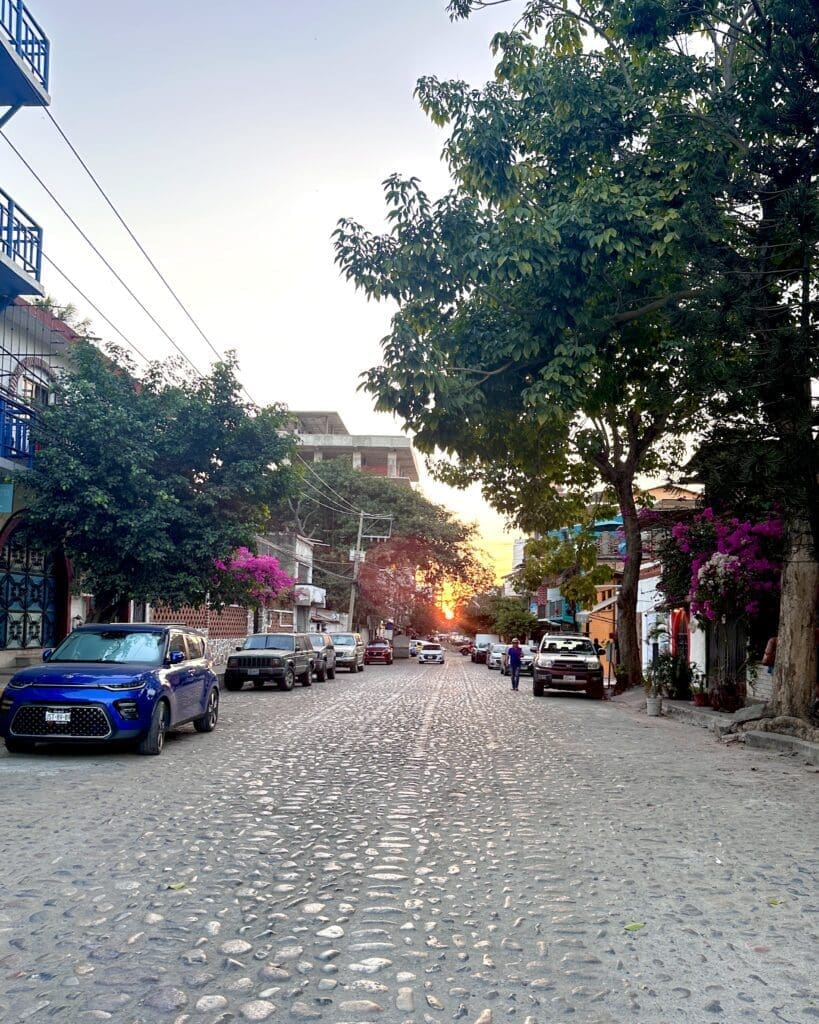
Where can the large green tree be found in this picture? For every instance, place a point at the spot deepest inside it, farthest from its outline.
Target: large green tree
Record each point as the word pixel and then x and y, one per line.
pixel 145 482
pixel 630 235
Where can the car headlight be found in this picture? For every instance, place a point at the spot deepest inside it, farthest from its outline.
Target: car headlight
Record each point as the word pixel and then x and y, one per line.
pixel 593 662
pixel 232 662
pixel 545 662
pixel 18 684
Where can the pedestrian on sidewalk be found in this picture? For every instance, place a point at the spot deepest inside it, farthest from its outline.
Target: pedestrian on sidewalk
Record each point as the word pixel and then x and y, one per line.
pixel 515 656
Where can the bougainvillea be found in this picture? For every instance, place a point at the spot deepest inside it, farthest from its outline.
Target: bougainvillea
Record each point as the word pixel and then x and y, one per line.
pixel 250 579
pixel 722 566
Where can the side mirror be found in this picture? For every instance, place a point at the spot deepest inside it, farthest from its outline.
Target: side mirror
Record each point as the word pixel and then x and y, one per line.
pixel 47 653
pixel 238 648
pixel 176 657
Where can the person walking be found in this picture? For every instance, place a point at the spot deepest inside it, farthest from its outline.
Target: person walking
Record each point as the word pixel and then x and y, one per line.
pixel 515 656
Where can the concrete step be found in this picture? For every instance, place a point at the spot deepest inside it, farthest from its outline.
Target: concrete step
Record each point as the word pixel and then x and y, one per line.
pixel 26 660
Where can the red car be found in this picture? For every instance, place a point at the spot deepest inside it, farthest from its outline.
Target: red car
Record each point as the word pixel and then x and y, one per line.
pixel 378 650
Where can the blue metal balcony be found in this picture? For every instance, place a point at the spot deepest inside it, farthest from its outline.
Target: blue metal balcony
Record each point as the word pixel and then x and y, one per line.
pixel 24 59
pixel 21 249
pixel 15 432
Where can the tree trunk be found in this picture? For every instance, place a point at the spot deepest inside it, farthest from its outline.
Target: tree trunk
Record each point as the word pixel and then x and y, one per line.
pixel 104 608
pixel 627 636
pixel 794 678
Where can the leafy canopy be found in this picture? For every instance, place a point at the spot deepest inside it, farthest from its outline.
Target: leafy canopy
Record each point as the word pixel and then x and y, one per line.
pixel 145 482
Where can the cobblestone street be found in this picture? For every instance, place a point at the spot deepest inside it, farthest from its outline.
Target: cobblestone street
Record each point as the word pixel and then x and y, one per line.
pixel 411 844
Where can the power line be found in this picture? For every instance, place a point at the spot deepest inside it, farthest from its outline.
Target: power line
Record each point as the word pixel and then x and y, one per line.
pixel 133 237
pixel 324 483
pixel 96 309
pixel 85 237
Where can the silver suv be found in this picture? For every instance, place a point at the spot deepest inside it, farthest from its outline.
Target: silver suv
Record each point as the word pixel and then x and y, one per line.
pixel 567 661
pixel 324 663
pixel 349 651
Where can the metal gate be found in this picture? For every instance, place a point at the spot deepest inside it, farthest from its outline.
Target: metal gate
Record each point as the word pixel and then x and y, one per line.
pixel 28 606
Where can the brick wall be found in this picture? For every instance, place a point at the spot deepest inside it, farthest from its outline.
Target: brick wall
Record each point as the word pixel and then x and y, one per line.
pixel 230 622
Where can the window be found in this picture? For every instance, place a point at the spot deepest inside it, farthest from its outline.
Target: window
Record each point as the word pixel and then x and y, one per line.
pixel 196 646
pixel 177 644
pixel 34 389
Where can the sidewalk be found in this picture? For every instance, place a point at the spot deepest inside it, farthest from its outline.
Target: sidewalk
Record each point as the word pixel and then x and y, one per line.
pixel 720 722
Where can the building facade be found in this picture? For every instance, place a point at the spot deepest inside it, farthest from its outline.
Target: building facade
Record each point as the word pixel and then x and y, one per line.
pixel 323 435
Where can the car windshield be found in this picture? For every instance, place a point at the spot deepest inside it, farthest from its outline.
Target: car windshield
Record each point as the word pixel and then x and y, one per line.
pixel 499 648
pixel 431 647
pixel 340 640
pixel 567 645
pixel 317 640
pixel 270 642
pixel 378 643
pixel 140 647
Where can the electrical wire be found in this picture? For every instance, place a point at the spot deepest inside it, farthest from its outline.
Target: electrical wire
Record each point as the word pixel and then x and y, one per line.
pixel 132 236
pixel 94 248
pixel 96 309
pixel 332 508
pixel 348 508
pixel 341 498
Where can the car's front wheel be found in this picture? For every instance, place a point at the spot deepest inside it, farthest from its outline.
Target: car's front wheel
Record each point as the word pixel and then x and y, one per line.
pixel 207 723
pixel 321 672
pixel 154 739
pixel 288 680
pixel 538 687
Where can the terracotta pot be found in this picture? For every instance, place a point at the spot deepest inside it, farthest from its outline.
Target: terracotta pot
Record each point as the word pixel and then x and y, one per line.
pixel 700 700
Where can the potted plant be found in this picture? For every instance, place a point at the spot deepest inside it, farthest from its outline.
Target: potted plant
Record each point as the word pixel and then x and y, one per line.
pixel 653 684
pixel 699 690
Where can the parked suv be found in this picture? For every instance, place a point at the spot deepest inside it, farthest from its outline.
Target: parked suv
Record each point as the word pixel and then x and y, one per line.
pixel 567 661
pixel 349 651
pixel 280 658
pixel 324 663
pixel 111 682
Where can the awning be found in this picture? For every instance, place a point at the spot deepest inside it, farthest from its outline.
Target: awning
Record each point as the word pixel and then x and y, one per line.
pixel 603 604
pixel 319 616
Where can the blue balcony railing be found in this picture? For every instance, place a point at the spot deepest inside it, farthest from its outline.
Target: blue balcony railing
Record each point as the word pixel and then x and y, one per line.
pixel 21 240
pixel 15 432
pixel 27 38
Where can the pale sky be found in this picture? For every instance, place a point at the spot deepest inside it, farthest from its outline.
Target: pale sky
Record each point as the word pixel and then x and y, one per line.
pixel 232 137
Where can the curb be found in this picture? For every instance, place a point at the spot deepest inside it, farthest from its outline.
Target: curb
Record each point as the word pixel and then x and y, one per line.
pixel 784 745
pixel 720 722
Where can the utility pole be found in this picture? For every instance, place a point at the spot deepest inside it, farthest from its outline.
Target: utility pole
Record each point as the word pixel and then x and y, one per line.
pixel 356 565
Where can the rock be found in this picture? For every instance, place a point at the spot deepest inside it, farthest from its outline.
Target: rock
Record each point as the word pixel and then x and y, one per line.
pixel 257 1009
pixel 167 999
pixel 208 1004
pixel 484 1018
pixel 749 714
pixel 360 1006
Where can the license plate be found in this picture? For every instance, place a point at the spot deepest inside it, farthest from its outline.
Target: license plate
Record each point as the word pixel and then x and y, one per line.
pixel 252 671
pixel 60 717
pixel 569 679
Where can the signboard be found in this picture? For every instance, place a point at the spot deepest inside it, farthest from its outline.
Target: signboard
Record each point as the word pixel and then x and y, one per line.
pixel 6 497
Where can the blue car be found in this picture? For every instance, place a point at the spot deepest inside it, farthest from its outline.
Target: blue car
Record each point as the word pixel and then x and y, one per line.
pixel 115 682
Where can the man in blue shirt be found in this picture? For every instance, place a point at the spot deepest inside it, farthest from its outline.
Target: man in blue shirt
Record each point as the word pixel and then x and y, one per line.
pixel 515 656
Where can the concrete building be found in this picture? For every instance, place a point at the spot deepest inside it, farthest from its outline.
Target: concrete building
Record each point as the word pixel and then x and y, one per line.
pixel 323 435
